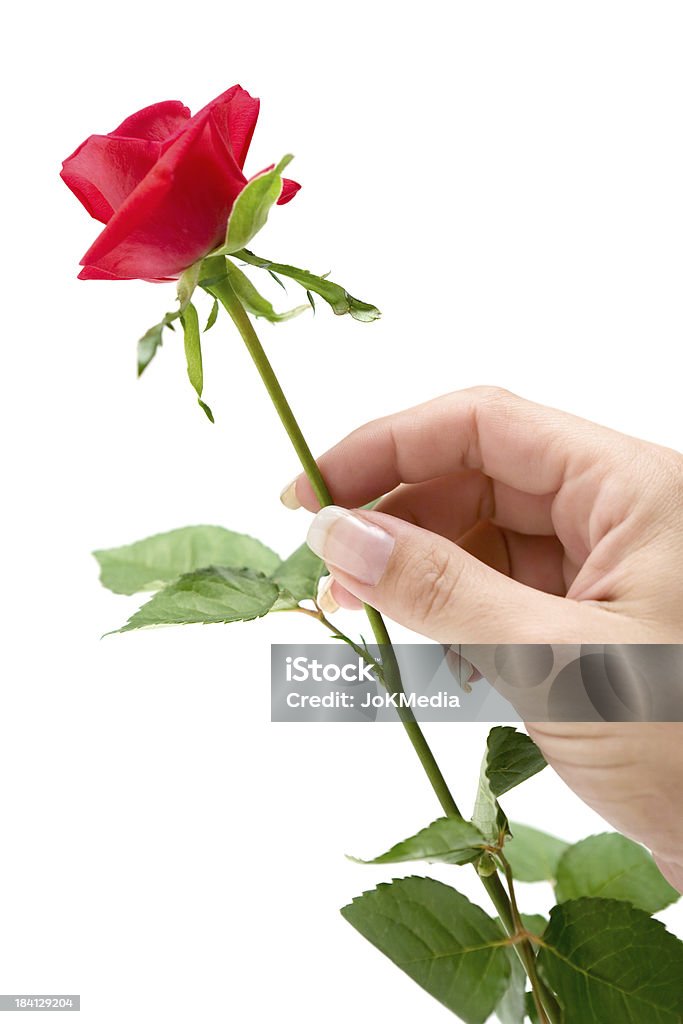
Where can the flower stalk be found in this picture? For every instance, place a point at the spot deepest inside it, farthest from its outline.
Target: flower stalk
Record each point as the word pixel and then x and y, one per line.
pixel 218 285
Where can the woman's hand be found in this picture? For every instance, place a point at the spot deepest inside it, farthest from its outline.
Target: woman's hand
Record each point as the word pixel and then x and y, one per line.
pixel 503 521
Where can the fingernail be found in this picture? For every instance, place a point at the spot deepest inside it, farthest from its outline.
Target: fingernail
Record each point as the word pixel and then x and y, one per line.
pixel 341 538
pixel 288 496
pixel 326 601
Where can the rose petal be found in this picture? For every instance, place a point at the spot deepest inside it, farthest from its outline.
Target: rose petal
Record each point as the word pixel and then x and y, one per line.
pixel 164 184
pixel 157 122
pixel 93 274
pixel 235 114
pixel 104 170
pixel 289 187
pixel 289 190
pixel 177 213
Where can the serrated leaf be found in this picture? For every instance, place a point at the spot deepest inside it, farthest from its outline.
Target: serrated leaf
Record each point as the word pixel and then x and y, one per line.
pixel 533 855
pixel 488 815
pixel 213 316
pixel 251 208
pixel 336 296
pixel 531 1011
pixel 608 961
pixel 151 563
pixel 446 840
pixel 253 301
pixel 212 595
pixel 193 353
pixel 446 944
pixel 512 758
pixel 299 576
pixel 611 866
pixel 512 1007
pixel 536 924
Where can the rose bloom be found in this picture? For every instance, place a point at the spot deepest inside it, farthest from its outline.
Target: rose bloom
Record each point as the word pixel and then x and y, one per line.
pixel 163 183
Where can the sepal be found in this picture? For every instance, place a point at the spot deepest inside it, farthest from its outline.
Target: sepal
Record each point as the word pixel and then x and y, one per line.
pixel 335 295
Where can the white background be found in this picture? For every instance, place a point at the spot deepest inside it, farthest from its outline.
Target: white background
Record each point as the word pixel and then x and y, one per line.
pixel 504 180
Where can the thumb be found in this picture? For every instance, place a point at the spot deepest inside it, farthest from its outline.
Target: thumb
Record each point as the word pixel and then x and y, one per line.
pixel 432 586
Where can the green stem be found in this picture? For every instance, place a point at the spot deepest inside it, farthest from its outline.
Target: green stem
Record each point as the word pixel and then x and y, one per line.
pixel 221 289
pixel 394 684
pixel 524 949
pixel 547 1007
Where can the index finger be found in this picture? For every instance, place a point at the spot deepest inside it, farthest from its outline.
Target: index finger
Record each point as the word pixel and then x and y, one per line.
pixel 526 446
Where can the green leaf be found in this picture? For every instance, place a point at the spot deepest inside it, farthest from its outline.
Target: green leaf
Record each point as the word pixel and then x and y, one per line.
pixel 512 1007
pixel 488 815
pixel 336 296
pixel 446 944
pixel 209 595
pixel 150 563
pixel 609 962
pixel 213 316
pixel 446 840
pixel 533 855
pixel 614 867
pixel 536 924
pixel 299 576
pixel 251 208
pixel 513 757
pixel 253 301
pixel 530 1006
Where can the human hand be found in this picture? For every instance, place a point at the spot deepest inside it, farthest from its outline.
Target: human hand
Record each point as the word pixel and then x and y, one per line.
pixel 508 522
pixel 631 773
pixel 504 521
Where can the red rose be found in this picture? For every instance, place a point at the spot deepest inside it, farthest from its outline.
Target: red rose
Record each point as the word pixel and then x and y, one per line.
pixel 164 184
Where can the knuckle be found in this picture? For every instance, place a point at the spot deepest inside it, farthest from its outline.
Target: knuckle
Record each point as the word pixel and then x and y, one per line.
pixel 430 580
pixel 671 463
pixel 490 393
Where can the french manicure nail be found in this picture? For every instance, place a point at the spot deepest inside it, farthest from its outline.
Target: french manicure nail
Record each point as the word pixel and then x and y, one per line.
pixel 357 547
pixel 288 496
pixel 326 601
